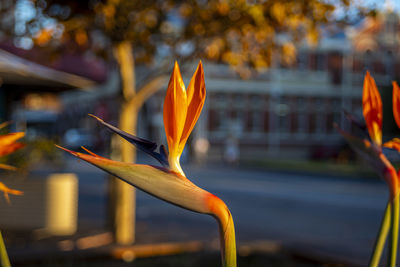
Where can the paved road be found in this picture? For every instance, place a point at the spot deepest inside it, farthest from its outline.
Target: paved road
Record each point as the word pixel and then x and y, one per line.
pixel 322 216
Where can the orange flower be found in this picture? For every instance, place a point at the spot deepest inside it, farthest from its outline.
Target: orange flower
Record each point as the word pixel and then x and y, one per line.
pixel 9 144
pixel 372 109
pixel 182 109
pixel 372 152
pixel 396 103
pixel 7 191
pixel 395 142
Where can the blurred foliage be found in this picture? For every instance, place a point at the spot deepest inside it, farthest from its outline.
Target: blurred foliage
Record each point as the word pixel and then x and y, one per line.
pixel 245 34
pixel 35 153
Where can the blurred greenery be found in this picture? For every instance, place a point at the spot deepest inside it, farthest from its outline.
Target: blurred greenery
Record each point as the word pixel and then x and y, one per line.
pixel 35 153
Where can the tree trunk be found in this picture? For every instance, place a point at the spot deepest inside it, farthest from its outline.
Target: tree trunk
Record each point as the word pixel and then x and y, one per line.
pixel 123 201
pixel 123 195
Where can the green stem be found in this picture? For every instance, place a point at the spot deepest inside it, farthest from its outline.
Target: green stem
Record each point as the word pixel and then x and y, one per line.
pixel 5 262
pixel 382 236
pixel 395 232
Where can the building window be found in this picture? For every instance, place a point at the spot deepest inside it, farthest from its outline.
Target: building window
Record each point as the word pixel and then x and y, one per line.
pixel 212 120
pixel 302 60
pixel 257 121
pixel 313 61
pixel 300 104
pixel 283 110
pixel 301 122
pixel 336 105
pixel 221 99
pixel 266 121
pixel 320 123
pixel 236 119
pixel 336 119
pixel 239 100
pixel 256 101
pixel 221 119
pixel 321 62
pixel 284 123
pixel 335 67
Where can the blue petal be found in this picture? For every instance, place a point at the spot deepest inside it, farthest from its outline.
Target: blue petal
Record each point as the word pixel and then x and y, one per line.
pixel 360 128
pixel 142 144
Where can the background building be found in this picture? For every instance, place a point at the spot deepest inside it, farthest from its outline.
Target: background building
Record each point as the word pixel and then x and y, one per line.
pixel 289 111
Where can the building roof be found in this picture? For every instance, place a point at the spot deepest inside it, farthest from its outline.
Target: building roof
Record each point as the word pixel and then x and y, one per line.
pixel 15 70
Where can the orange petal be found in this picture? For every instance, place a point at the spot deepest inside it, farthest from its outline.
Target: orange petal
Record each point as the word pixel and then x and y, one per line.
pixel 10 138
pixel 396 103
pixel 4 124
pixel 8 149
pixel 393 144
pixel 196 94
pixel 7 167
pixel 372 109
pixel 88 151
pixel 175 109
pixel 7 191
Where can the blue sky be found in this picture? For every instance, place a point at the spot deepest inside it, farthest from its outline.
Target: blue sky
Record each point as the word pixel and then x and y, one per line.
pixel 381 4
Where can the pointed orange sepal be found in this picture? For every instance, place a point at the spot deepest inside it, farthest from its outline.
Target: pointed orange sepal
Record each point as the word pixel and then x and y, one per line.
pixel 7 167
pixel 4 124
pixel 196 94
pixel 10 138
pixel 92 153
pixel 69 151
pixel 7 191
pixel 8 149
pixel 8 143
pixel 396 103
pixel 175 109
pixel 393 144
pixel 182 108
pixel 372 109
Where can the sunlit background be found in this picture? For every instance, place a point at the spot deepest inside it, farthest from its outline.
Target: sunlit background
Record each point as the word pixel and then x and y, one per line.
pixel 280 77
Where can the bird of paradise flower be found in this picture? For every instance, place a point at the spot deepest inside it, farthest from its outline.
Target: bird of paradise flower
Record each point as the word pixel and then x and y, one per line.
pixel 370 147
pixel 8 144
pixel 182 109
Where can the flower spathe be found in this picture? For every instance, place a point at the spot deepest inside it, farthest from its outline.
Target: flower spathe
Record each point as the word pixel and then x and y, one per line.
pixel 168 182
